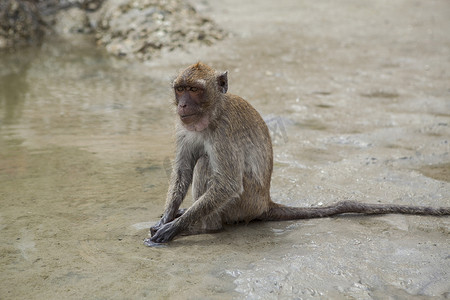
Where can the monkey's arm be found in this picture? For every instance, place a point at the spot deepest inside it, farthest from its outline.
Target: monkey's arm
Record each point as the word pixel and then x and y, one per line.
pixel 181 179
pixel 226 185
pixel 214 198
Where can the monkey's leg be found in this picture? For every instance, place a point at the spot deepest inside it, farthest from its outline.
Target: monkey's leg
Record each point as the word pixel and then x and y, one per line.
pixel 209 224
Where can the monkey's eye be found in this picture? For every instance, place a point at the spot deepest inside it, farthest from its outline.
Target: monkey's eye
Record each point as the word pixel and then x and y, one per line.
pixel 193 89
pixel 179 89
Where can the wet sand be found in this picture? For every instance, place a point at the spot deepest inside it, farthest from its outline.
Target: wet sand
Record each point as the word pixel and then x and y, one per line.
pixel 357 99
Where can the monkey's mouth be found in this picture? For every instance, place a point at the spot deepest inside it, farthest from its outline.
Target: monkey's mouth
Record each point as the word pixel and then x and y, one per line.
pixel 188 116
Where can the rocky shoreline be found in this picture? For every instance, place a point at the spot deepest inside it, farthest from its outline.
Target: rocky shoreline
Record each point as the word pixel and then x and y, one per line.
pixel 126 28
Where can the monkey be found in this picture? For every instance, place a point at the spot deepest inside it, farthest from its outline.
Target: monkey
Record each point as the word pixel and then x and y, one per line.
pixel 224 151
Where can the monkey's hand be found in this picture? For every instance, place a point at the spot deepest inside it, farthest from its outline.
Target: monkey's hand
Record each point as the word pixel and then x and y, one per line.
pixel 165 233
pixel 156 227
pixel 163 221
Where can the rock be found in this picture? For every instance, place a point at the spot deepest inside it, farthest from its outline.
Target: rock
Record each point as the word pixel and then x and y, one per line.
pixel 71 21
pixel 142 28
pixel 20 24
pixel 132 28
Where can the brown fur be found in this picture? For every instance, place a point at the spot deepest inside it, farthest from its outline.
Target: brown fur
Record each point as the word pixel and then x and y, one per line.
pixel 225 152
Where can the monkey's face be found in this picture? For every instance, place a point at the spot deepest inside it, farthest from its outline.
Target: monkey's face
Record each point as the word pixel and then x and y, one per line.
pixel 189 100
pixel 198 89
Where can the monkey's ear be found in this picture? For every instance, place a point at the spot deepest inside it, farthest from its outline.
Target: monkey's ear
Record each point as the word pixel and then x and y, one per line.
pixel 222 81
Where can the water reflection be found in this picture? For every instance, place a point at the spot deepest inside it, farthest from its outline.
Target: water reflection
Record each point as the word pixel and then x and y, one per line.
pixel 13 85
pixel 61 89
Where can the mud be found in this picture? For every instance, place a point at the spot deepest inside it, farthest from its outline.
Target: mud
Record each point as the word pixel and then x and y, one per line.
pixel 357 99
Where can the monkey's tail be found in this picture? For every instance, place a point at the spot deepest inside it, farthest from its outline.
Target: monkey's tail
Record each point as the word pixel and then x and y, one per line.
pixel 279 212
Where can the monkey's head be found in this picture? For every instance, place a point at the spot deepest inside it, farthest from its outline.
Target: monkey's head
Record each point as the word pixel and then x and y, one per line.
pixel 198 89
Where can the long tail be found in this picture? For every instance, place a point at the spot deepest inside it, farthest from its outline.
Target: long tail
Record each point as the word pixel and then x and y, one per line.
pixel 279 212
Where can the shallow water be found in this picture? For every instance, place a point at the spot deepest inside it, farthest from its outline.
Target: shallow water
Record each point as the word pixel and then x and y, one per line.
pixel 86 142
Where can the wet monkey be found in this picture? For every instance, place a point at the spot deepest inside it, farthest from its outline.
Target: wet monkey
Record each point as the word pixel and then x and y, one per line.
pixel 224 150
